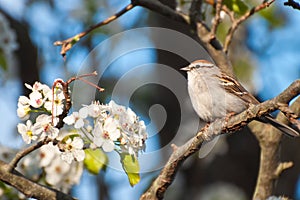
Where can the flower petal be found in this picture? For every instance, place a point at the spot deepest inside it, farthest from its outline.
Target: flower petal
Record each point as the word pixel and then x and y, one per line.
pixel 108 146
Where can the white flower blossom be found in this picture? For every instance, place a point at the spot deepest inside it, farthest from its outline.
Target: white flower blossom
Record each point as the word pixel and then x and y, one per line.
pixel 47 153
pixel 35 87
pixel 133 137
pixel 23 100
pixel 56 170
pixel 23 112
pixel 73 150
pixel 222 14
pixel 36 99
pixel 44 127
pixel 26 132
pixel 54 99
pixel 133 131
pixel 23 108
pixel 105 134
pixel 97 110
pixel 38 87
pixel 116 125
pixel 72 177
pixel 116 110
pixel 57 104
pixel 59 173
pixel 76 118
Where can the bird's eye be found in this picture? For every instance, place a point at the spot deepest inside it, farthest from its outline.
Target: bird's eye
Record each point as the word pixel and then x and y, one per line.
pixel 197 66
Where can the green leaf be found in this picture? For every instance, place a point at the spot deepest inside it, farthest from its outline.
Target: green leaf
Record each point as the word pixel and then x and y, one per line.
pixel 95 160
pixel 237 6
pixel 71 136
pixel 131 167
pixel 271 15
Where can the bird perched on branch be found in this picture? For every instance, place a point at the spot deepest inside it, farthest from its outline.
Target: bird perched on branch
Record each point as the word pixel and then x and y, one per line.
pixel 215 95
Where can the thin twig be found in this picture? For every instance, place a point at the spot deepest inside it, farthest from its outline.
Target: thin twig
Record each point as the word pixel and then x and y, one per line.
pixel 229 12
pixel 217 19
pixel 13 163
pixel 281 167
pixel 68 101
pixel 213 47
pixel 237 22
pixel 68 43
pixel 290 115
pixel 224 8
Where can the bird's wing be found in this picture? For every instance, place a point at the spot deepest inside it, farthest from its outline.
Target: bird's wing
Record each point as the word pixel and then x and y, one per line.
pixel 234 87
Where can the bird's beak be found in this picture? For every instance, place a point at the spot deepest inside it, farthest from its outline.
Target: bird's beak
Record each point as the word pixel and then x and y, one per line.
pixel 185 68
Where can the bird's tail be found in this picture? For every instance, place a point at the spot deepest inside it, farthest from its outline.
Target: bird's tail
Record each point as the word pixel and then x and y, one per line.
pixel 280 126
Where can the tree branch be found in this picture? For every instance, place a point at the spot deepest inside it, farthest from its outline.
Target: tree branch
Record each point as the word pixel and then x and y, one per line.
pixel 237 22
pixel 26 151
pixel 217 19
pixel 213 46
pixel 162 9
pixel 290 115
pixel 293 4
pixel 67 44
pixel 281 167
pixel 218 127
pixel 269 141
pixel 229 12
pixel 195 12
pixel 29 188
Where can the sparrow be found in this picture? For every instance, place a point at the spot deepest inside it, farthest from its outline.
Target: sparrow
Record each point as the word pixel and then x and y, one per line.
pixel 216 95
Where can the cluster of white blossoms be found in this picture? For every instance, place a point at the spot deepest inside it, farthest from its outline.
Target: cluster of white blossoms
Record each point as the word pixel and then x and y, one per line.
pixel 42 98
pixel 111 127
pixel 40 101
pixel 62 175
pixel 57 173
pixel 107 126
pixel 47 104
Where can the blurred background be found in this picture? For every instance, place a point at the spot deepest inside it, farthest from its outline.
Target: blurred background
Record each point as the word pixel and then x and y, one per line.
pixel 265 55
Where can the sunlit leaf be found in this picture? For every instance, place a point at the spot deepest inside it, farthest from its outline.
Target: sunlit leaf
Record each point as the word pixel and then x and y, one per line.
pixel 131 167
pixel 271 15
pixel 95 160
pixel 237 6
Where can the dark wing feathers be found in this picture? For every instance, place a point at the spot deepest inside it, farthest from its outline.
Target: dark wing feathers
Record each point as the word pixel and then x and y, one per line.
pixel 234 87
